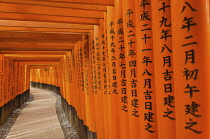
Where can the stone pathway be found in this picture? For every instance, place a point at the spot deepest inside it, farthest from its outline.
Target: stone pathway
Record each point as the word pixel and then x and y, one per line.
pixel 38 120
pixel 6 127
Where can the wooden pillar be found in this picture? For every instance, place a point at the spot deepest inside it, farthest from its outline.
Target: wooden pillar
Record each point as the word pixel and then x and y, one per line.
pixel 122 98
pixel 190 39
pixel 146 74
pixel 130 43
pixel 88 102
pixel 91 85
pixel 113 97
pixel 104 69
pixel 1 79
pixel 163 62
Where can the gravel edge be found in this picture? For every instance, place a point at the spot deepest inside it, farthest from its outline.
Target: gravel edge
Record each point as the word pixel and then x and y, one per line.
pixel 6 127
pixel 68 130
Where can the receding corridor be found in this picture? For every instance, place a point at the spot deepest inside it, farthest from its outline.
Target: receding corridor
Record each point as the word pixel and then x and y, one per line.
pixel 120 69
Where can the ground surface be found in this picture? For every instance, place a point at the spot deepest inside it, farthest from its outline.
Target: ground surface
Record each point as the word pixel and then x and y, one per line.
pixel 38 120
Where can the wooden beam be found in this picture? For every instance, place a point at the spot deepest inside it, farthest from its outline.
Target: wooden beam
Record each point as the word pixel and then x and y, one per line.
pixel 36 41
pixel 39 44
pixel 59 4
pixel 40 36
pixel 35 52
pixel 27 59
pixel 41 66
pixel 31 47
pixel 18 56
pixel 48 18
pixel 42 63
pixel 95 2
pixel 48 11
pixel 37 60
pixel 43 30
pixel 49 25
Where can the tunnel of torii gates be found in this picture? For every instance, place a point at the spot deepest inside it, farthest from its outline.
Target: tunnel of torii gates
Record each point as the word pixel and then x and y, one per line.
pixel 126 69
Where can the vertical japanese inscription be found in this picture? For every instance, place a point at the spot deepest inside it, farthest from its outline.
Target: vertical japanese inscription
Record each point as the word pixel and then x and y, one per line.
pixel 147 65
pixel 104 63
pixel 93 54
pixel 1 78
pixel 190 71
pixel 98 63
pixel 123 81
pixel 113 58
pixel 81 69
pixel 131 64
pixel 86 68
pixel 91 65
pixel 164 9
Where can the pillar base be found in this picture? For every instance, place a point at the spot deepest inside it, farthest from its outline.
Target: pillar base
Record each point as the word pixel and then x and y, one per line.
pixel 7 109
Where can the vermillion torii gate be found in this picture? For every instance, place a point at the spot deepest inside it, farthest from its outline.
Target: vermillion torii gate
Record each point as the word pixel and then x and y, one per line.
pixel 126 69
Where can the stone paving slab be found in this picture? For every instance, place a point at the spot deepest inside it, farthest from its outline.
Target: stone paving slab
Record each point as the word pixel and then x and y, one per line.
pixel 38 120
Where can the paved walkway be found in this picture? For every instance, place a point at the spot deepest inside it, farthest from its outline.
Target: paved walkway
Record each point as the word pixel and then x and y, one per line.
pixel 38 120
